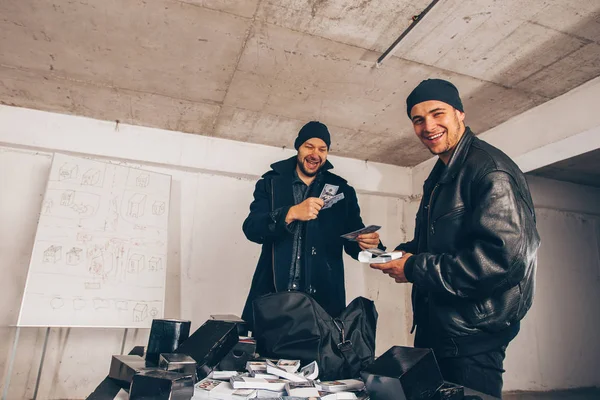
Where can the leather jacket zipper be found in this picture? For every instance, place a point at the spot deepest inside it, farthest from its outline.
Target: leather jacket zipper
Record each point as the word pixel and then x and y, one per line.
pixel 430 227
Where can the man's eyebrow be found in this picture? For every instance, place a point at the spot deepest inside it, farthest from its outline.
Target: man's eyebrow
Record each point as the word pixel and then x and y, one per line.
pixel 435 110
pixel 428 112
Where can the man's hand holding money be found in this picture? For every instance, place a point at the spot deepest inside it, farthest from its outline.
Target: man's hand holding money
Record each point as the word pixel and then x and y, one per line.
pixel 367 237
pixel 305 211
pixel 368 240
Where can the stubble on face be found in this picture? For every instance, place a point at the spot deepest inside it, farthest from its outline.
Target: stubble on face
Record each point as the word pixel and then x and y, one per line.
pixel 439 126
pixel 312 155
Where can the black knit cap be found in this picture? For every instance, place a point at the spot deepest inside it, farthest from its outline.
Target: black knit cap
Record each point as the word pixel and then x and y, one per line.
pixel 313 129
pixel 434 89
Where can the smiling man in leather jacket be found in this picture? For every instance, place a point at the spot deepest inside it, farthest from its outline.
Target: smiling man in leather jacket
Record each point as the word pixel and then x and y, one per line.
pixel 473 258
pixel 301 244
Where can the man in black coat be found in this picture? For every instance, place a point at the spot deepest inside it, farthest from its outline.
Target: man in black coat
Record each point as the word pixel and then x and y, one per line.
pixel 473 258
pixel 301 243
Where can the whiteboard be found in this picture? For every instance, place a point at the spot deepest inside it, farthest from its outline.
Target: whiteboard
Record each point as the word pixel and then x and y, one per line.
pixel 100 252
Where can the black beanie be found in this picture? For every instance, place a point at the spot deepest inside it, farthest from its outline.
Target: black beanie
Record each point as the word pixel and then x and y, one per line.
pixel 313 129
pixel 434 89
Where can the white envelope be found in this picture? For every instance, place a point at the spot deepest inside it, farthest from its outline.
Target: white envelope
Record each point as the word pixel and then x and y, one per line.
pixel 367 257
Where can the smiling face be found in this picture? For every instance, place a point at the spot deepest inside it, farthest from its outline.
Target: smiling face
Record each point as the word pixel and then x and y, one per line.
pixel 439 126
pixel 312 154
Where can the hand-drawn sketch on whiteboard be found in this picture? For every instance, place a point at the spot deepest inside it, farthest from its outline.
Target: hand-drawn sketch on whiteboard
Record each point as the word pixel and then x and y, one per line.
pixel 93 177
pixel 158 208
pixel 100 250
pixel 137 202
pixel 74 256
pixel 52 254
pixel 143 180
pixel 68 171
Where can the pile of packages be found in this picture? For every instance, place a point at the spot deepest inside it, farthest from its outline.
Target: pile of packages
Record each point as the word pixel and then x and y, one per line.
pixel 219 361
pixel 277 379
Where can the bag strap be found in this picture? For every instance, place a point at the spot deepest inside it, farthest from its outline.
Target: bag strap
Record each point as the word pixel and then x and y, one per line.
pixel 347 349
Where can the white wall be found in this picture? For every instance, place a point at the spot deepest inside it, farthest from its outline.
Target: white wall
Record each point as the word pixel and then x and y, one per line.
pixel 558 345
pixel 210 262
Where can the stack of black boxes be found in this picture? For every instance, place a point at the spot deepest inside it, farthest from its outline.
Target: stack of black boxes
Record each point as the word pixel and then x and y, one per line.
pixel 174 362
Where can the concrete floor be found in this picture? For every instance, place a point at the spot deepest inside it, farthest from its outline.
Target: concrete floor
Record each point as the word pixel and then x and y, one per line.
pixel 575 394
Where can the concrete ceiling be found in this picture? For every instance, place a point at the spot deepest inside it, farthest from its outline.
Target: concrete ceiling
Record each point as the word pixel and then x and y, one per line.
pixel 257 70
pixel 583 169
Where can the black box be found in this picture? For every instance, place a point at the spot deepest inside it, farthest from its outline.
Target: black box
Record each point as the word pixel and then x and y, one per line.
pixel 242 327
pixel 165 336
pixel 403 373
pixel 237 358
pixel 450 391
pixel 161 385
pixel 123 368
pixel 209 344
pixel 138 351
pixel 176 362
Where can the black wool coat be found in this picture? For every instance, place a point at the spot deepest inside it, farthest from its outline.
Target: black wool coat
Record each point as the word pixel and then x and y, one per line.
pixel 322 249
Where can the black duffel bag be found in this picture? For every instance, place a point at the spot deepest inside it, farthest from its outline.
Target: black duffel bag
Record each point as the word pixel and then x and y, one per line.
pixel 292 325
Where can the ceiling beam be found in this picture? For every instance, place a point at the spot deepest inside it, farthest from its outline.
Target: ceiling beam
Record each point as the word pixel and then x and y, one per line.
pixel 415 20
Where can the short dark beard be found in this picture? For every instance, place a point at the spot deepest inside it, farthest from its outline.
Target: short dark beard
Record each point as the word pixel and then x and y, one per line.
pixel 448 138
pixel 300 164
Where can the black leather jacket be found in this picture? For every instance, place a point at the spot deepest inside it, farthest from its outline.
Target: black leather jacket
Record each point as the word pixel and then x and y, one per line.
pixel 474 249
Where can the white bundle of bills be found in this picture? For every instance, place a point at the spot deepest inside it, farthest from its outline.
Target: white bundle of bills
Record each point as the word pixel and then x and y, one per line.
pixel 223 375
pixel 310 371
pixel 269 394
pixel 256 367
pixel 282 373
pixel 247 382
pixel 339 396
pixel 289 365
pixel 262 375
pixel 342 385
pixel 214 389
pixel 302 389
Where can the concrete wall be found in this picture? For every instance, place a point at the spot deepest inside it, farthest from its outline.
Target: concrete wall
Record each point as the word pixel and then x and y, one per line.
pixel 558 345
pixel 210 262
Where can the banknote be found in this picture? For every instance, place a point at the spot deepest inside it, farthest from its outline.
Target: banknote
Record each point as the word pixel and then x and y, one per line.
pixel 332 200
pixel 367 229
pixel 328 191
